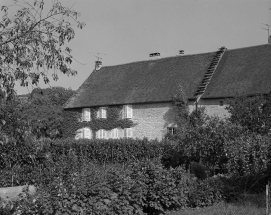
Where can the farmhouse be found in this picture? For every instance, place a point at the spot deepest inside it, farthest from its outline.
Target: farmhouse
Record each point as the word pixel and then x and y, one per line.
pixel 144 90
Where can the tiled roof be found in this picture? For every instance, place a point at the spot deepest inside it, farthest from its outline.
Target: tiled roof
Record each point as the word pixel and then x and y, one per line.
pixel 240 70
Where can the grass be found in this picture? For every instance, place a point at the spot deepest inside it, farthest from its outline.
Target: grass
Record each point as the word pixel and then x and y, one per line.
pixel 246 205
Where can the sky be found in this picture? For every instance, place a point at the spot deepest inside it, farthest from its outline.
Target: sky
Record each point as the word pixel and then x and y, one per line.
pixel 126 31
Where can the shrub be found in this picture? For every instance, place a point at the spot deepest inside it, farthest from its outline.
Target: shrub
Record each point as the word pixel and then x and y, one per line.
pixel 252 112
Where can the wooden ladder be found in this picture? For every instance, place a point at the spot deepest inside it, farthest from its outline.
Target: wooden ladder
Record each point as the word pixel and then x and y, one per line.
pixel 209 73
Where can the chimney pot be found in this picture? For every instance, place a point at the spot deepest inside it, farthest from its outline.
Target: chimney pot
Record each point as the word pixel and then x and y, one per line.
pixel 156 54
pixel 181 52
pixel 98 65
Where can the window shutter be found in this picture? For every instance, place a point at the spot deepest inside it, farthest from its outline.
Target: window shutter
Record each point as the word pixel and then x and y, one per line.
pixel 98 134
pixel 82 115
pixel 103 133
pixel 123 112
pixel 79 134
pixel 87 133
pixel 129 112
pixel 128 132
pixel 98 113
pixel 109 134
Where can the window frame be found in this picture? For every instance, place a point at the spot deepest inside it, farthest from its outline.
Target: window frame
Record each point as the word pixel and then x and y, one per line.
pixel 171 130
pixel 128 131
pixel 84 115
pixel 127 112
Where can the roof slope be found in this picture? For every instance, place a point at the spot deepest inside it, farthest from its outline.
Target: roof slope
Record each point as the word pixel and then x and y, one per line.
pixel 240 70
pixel 139 82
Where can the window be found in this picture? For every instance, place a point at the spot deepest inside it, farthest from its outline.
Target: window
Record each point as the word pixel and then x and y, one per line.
pixel 86 114
pixel 101 134
pixel 171 130
pixel 115 133
pixel 128 133
pixel 85 133
pixel 127 112
pixel 221 103
pixel 79 134
pixel 101 113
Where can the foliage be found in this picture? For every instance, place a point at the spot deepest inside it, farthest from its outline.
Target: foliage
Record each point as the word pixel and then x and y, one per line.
pixel 41 116
pixel 249 155
pixel 204 144
pixel 102 177
pixel 205 193
pixel 113 120
pixel 253 113
pixel 140 188
pixel 21 163
pixel 12 125
pixel 33 42
pixel 180 108
pixel 44 111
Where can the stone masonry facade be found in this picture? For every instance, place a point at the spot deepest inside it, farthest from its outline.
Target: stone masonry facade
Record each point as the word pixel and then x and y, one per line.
pixel 154 119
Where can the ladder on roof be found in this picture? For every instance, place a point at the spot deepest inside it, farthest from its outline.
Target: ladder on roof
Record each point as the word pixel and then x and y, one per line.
pixel 209 74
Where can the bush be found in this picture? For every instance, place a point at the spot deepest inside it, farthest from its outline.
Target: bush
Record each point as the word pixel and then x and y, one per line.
pixel 140 188
pixel 204 144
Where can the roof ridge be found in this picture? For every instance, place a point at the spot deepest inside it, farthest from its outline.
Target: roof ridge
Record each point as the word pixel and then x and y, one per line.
pixel 247 47
pixel 176 56
pixel 159 59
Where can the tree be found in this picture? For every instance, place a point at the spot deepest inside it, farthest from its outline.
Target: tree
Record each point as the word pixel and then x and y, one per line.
pixel 33 42
pixel 252 112
pixel 44 111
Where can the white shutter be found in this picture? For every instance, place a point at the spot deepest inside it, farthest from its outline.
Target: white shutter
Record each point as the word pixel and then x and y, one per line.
pixel 109 134
pixel 129 112
pixel 121 133
pixel 103 133
pixel 82 116
pixel 87 133
pixel 98 134
pixel 79 134
pixel 123 112
pixel 128 132
pixel 99 113
pixel 86 114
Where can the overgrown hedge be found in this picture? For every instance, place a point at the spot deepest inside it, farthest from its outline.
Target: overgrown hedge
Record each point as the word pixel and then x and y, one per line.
pixel 141 188
pixel 27 162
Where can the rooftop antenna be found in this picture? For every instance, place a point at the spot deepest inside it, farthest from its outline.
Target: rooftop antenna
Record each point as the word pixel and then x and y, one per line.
pixel 267 29
pixel 98 55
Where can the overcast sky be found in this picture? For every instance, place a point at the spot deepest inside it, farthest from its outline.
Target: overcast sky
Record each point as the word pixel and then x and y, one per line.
pixel 129 30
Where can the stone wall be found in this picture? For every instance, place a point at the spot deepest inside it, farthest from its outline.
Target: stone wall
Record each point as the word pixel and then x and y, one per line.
pixel 213 107
pixel 153 119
